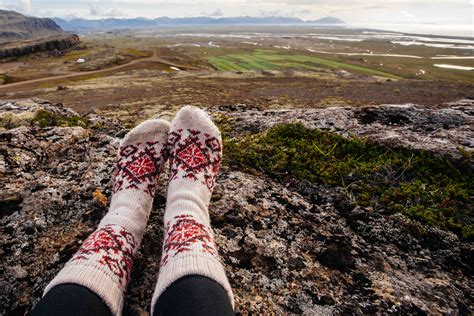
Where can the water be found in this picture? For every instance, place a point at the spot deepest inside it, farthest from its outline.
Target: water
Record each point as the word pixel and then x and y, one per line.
pixel 364 54
pixel 454 67
pixel 462 30
pixel 401 39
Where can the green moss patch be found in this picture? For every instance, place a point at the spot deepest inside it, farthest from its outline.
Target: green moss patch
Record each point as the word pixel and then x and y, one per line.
pixel 45 118
pixel 424 187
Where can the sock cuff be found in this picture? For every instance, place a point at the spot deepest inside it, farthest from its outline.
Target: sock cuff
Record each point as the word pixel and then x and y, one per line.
pixel 95 280
pixel 193 264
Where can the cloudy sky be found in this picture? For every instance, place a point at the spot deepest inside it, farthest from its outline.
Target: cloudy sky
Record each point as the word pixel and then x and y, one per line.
pixel 444 12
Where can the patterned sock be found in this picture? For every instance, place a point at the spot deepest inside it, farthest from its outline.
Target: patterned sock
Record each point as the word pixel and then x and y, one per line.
pixel 104 261
pixel 195 156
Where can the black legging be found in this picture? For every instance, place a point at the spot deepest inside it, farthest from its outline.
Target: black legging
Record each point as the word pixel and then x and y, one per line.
pixel 190 295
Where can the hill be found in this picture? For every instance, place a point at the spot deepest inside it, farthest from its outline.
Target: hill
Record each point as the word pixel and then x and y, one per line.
pixel 22 35
pixel 16 26
pixel 113 23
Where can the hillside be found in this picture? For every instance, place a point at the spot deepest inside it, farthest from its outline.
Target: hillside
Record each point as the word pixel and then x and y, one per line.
pixel 15 26
pixel 340 210
pixel 23 35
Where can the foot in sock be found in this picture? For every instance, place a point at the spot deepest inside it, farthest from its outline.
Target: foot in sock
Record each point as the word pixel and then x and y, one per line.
pixel 195 149
pixel 104 262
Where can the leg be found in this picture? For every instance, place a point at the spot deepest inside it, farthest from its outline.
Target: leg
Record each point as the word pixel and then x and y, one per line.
pixel 103 263
pixel 71 299
pixel 194 295
pixel 189 249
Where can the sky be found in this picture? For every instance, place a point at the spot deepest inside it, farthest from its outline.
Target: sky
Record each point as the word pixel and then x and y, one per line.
pixel 356 12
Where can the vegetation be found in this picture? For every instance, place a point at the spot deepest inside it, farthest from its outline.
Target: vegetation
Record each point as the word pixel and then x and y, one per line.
pixel 429 189
pixel 45 118
pixel 137 53
pixel 269 60
pixel 5 79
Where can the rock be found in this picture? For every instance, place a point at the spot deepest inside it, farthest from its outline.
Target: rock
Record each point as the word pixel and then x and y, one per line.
pixel 57 42
pixel 337 254
pixel 18 272
pixel 10 202
pixel 442 131
pixel 287 247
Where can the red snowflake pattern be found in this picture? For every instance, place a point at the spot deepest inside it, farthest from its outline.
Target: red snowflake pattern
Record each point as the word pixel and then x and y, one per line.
pixel 110 246
pixel 186 233
pixel 138 166
pixel 194 155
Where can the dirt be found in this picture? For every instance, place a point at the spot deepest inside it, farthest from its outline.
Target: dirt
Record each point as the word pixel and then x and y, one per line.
pixel 138 89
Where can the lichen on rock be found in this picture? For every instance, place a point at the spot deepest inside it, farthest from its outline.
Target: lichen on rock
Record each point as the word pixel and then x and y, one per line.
pixel 289 247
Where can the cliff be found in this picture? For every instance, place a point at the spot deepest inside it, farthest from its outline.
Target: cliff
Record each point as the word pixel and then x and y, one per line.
pixel 58 42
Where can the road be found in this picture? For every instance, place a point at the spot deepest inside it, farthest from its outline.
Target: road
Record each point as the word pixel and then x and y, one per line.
pixel 153 58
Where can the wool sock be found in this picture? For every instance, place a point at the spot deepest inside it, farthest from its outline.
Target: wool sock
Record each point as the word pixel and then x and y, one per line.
pixel 104 262
pixel 195 148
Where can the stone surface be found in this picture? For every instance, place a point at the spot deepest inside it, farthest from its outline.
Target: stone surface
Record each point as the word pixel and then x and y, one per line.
pixel 441 130
pixel 288 249
pixel 52 43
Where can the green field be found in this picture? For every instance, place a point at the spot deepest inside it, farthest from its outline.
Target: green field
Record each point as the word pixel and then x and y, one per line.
pixel 271 60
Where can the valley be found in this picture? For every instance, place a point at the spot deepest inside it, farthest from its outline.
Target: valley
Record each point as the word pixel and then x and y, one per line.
pixel 345 187
pixel 138 71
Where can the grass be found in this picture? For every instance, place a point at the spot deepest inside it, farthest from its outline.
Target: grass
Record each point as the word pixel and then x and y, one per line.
pixel 270 60
pixel 5 79
pixel 426 188
pixel 137 53
pixel 45 118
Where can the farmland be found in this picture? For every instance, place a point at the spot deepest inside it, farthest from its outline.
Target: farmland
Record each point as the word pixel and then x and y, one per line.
pixel 272 60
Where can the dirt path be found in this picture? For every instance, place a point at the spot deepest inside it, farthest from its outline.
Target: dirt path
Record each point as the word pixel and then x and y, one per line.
pixel 153 58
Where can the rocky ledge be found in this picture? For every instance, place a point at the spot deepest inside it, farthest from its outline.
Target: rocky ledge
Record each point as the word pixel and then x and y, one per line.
pixel 443 131
pixel 58 42
pixel 285 252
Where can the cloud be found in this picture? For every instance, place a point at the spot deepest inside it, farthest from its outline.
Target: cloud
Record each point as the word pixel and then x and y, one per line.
pixel 408 14
pixel 25 6
pixel 278 12
pixel 351 11
pixel 97 11
pixel 216 13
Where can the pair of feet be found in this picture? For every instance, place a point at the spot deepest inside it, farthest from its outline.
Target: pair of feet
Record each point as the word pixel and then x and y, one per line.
pixel 192 143
pixel 193 146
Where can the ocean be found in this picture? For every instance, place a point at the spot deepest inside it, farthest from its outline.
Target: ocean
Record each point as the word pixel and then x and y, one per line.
pixel 462 30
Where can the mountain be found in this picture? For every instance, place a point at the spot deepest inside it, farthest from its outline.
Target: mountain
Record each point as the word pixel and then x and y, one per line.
pixel 16 26
pixel 113 23
pixel 327 20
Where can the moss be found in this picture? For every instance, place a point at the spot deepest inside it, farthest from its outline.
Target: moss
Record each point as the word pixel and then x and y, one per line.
pixel 424 187
pixel 138 53
pixel 13 120
pixel 5 79
pixel 45 118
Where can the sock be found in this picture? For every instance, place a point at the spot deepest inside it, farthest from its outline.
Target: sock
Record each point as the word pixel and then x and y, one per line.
pixel 195 148
pixel 104 262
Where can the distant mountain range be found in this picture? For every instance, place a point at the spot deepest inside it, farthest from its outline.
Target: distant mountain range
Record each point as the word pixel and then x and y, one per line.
pixel 113 23
pixel 15 26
